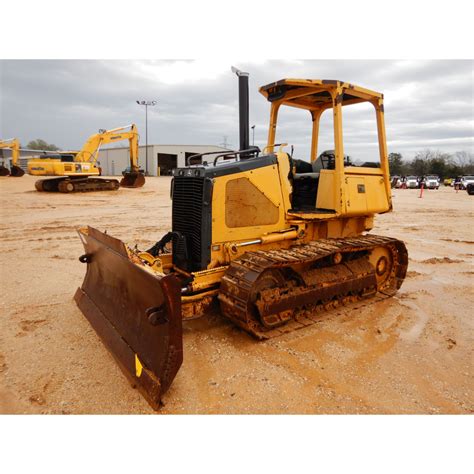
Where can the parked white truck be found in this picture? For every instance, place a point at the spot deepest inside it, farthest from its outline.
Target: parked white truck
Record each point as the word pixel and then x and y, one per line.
pixel 412 182
pixel 431 182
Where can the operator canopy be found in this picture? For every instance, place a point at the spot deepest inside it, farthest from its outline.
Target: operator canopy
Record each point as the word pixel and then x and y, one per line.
pixel 313 94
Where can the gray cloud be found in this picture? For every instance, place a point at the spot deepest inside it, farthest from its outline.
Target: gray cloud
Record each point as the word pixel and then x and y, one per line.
pixel 428 103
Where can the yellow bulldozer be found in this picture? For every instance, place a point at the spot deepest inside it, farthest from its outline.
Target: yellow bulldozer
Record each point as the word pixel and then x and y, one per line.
pixel 78 170
pixel 14 169
pixel 271 243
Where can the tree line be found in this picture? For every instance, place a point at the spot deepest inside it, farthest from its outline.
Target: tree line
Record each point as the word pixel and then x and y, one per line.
pixel 40 144
pixel 426 162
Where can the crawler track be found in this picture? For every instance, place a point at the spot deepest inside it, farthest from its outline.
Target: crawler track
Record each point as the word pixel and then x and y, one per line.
pixel 76 185
pixel 264 292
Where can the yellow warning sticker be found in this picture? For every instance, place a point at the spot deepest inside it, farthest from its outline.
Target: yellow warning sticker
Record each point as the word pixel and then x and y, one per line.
pixel 138 366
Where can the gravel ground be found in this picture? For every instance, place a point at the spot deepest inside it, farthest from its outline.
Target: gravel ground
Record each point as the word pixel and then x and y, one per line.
pixel 410 354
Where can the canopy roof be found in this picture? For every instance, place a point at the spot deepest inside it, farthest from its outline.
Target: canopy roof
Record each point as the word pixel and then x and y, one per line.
pixel 315 94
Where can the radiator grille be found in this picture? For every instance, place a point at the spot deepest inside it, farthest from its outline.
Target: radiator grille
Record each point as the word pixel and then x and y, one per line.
pixel 187 215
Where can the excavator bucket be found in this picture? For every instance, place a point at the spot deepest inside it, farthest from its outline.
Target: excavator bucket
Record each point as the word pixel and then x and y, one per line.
pixel 132 180
pixel 4 171
pixel 136 313
pixel 16 172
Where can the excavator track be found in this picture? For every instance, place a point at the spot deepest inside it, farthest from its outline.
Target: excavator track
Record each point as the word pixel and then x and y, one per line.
pixel 268 293
pixel 76 185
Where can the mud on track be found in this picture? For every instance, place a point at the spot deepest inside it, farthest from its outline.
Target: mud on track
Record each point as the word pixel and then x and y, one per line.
pixel 409 354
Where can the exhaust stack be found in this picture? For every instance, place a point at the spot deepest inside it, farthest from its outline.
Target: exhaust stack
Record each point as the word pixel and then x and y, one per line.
pixel 243 108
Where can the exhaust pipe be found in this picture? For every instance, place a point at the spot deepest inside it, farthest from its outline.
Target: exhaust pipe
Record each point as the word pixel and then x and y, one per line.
pixel 243 109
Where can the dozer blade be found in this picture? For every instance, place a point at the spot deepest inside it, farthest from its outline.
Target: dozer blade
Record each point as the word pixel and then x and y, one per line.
pixel 136 314
pixel 4 171
pixel 132 180
pixel 16 172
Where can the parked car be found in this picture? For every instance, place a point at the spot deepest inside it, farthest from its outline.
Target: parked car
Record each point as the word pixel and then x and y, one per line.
pixel 448 181
pixel 470 189
pixel 395 182
pixel 412 182
pixel 431 182
pixel 465 180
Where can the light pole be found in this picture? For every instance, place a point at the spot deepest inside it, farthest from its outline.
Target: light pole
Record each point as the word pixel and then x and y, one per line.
pixel 146 103
pixel 253 135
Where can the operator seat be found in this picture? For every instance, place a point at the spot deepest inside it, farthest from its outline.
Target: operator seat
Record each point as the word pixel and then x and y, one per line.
pixel 305 186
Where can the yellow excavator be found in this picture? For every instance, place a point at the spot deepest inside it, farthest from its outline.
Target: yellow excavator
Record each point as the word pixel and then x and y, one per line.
pixel 14 170
pixel 77 170
pixel 270 241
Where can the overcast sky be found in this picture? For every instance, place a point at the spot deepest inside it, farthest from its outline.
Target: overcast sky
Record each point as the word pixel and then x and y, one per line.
pixel 428 104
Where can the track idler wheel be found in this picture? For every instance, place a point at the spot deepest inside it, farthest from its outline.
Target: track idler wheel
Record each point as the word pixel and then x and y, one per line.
pixel 382 260
pixel 48 185
pixel 4 171
pixel 132 180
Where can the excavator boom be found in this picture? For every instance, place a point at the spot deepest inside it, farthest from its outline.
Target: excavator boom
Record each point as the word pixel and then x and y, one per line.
pixel 90 152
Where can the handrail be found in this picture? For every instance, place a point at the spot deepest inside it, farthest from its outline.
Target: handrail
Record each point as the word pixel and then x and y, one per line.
pixel 254 150
pixel 227 153
pixel 281 145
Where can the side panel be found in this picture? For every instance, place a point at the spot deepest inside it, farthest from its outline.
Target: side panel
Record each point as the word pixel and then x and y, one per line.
pixel 356 195
pixel 42 167
pixel 377 199
pixel 366 194
pixel 265 182
pixel 246 205
pixel 326 198
pixel 61 168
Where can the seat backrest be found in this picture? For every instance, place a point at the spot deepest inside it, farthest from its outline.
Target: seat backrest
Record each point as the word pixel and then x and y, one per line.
pixel 305 175
pixel 317 165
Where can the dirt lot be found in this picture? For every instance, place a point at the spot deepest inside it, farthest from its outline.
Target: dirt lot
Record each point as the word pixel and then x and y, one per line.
pixel 409 354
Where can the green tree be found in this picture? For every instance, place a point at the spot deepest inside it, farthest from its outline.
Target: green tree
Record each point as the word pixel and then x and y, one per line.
pixel 438 166
pixel 396 165
pixel 419 166
pixel 465 161
pixel 40 144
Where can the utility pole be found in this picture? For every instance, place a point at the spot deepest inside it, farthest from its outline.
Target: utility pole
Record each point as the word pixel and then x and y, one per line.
pixel 224 143
pixel 146 103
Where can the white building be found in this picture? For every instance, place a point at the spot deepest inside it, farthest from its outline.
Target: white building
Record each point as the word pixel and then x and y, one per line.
pixel 161 158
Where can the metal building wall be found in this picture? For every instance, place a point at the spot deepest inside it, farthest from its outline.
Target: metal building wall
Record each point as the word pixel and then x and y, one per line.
pixel 114 160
